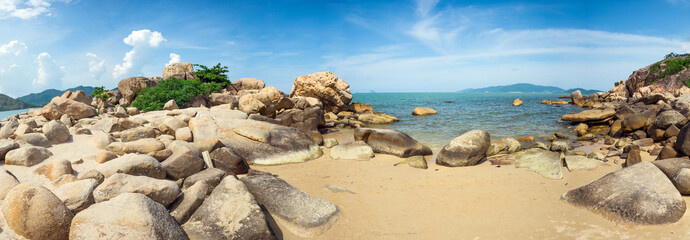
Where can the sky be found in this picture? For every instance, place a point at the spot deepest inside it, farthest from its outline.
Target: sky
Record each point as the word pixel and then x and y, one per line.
pixel 384 46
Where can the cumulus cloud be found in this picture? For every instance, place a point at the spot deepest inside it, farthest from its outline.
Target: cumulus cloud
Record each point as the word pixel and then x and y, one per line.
pixel 141 41
pixel 49 74
pixel 14 47
pixel 174 58
pixel 25 9
pixel 96 66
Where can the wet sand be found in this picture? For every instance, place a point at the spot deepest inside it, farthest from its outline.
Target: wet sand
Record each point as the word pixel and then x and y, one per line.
pixel 479 202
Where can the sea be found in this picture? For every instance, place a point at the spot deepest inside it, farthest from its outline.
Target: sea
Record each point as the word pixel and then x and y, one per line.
pixel 491 112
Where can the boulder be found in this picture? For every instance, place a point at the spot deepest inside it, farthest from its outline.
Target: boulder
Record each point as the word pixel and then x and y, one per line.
pixel 54 169
pixel 189 201
pixel 92 174
pixel 574 162
pixel 133 164
pixel 332 91
pixel 101 139
pixel 137 133
pixel 639 120
pixel 79 96
pixel 517 102
pixel 27 156
pixel 7 145
pixel 222 98
pixel 35 139
pixel 683 140
pixel 302 214
pixel 357 150
pixel 376 118
pixel 227 160
pixel 59 106
pixel 77 195
pixel 143 146
pixel 667 119
pixel 248 84
pixel 422 111
pixel 182 164
pixel 671 166
pixel 504 146
pixel 559 146
pixel 639 194
pixel 105 156
pixel 465 150
pixel 666 153
pixel 7 182
pixel 330 142
pixel 179 70
pixel 127 216
pixel 257 103
pixel 34 212
pixel 682 180
pixel 593 115
pixel 184 134
pixel 546 163
pixel 8 129
pixel 230 212
pixel 129 87
pixel 161 191
pixel 392 142
pixel 212 176
pixel 633 156
pixel 56 132
pixel 414 161
pixel 170 105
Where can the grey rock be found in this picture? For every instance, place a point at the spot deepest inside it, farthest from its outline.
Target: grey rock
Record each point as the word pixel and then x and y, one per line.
pixel 56 132
pixel 227 160
pixel 212 176
pixel 161 191
pixel 672 165
pixel 358 150
pixel 182 164
pixel 35 139
pixel 133 164
pixel 668 118
pixel 27 156
pixel 465 150
pixel 77 195
pixel 581 163
pixel 682 180
pixel 189 201
pixel 392 142
pixel 7 145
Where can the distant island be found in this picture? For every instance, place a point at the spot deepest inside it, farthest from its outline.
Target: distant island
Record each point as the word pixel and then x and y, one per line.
pixel 43 98
pixel 526 88
pixel 7 103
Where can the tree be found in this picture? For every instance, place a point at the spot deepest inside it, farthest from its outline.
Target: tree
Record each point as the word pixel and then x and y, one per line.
pixel 215 74
pixel 671 55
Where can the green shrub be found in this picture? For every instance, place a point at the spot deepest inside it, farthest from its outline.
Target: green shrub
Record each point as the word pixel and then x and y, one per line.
pixel 100 92
pixel 687 82
pixel 216 74
pixel 674 66
pixel 154 98
pixel 671 55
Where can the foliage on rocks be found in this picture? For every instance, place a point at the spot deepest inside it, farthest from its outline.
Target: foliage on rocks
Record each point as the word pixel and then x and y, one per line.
pixel 154 98
pixel 215 74
pixel 100 92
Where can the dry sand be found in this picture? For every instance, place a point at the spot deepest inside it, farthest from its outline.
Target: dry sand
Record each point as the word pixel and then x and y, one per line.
pixel 479 202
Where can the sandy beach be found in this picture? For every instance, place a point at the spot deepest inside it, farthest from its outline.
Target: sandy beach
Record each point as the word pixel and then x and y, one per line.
pixel 478 202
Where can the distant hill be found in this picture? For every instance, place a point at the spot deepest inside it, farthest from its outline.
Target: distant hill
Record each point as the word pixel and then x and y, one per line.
pixel 525 88
pixel 7 103
pixel 42 98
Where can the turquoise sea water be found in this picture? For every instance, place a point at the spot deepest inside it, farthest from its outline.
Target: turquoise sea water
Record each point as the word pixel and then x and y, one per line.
pixel 5 114
pixel 492 112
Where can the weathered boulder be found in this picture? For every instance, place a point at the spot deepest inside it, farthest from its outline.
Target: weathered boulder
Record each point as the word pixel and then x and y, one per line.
pixel 517 102
pixel 35 139
pixel 7 182
pixel 59 106
pixel 182 164
pixel 92 174
pixel 77 195
pixel 332 91
pixel 465 150
pixel 302 214
pixel 574 162
pixel 190 200
pixel 159 190
pixel 227 160
pixel 7 145
pixel 422 111
pixel 504 146
pixel 8 129
pixel 546 163
pixel 357 150
pixel 101 139
pixel 639 120
pixel 593 115
pixel 27 156
pixel 34 212
pixel 137 133
pixel 127 216
pixel 180 70
pixel 633 156
pixel 105 156
pixel 230 212
pixel 56 132
pixel 212 176
pixel 392 142
pixel 666 153
pixel 248 84
pixel 683 140
pixel 671 166
pixel 170 105
pixel 376 118
pixel 133 164
pixel 668 118
pixel 257 103
pixel 54 169
pixel 79 96
pixel 129 87
pixel 143 146
pixel 414 161
pixel 682 180
pixel 639 194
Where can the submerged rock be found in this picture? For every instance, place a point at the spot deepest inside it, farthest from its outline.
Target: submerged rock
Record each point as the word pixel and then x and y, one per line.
pixel 640 194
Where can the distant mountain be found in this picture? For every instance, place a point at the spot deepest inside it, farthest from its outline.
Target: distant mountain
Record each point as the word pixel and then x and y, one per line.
pixel 7 103
pixel 42 98
pixel 525 88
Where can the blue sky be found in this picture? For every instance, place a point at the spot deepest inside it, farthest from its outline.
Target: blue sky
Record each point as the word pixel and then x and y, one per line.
pixel 385 46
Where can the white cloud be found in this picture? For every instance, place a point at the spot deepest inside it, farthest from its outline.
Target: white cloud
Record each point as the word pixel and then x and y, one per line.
pixel 48 75
pixel 14 47
pixel 174 58
pixel 96 66
pixel 141 41
pixel 25 9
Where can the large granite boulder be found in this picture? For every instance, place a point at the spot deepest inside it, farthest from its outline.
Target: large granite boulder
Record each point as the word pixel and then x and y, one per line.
pixel 7 182
pixel 332 91
pixel 180 70
pixel 143 146
pixel 593 115
pixel 639 120
pixel 133 164
pixel 7 145
pixel 54 169
pixel 671 166
pixel 302 214
pixel 248 84
pixel 77 195
pixel 127 216
pixel 161 191
pixel 34 212
pixel 683 140
pixel 190 200
pixel 56 132
pixel 227 160
pixel 640 194
pixel 35 139
pixel 392 142
pixel 8 129
pixel 59 106
pixel 230 212
pixel 668 118
pixel 79 96
pixel 376 118
pixel 129 87
pixel 256 141
pixel 183 163
pixel 257 103
pixel 352 151
pixel 27 156
pixel 465 150
pixel 212 176
pixel 422 111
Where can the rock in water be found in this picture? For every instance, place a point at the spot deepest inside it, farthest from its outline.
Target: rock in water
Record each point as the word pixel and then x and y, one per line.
pixel 36 213
pixel 128 216
pixel 301 213
pixel 392 142
pixel 640 194
pixel 161 191
pixel 230 212
pixel 352 151
pixel 517 102
pixel 422 111
pixel 333 92
pixel 465 150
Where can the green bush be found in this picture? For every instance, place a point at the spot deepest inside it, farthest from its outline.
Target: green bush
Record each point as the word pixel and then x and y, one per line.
pixel 154 98
pixel 216 74
pixel 100 92
pixel 687 82
pixel 674 66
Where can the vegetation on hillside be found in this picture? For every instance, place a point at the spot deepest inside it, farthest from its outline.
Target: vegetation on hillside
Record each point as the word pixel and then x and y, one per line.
pixel 154 98
pixel 100 92
pixel 7 103
pixel 674 63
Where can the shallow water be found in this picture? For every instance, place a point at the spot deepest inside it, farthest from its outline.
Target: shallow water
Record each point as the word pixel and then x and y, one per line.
pixel 492 112
pixel 5 114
